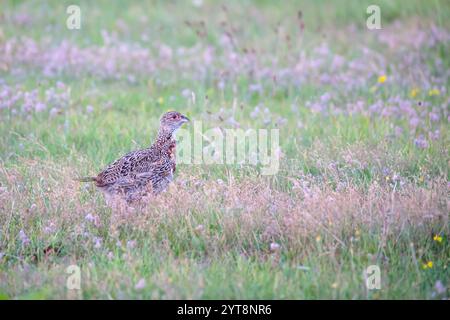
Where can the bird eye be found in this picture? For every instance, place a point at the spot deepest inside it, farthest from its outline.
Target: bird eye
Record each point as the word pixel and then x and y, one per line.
pixel 174 116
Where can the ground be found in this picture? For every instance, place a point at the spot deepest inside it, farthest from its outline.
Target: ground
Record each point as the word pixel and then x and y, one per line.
pixel 363 133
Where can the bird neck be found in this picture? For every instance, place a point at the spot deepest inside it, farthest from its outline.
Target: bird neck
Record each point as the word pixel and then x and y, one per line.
pixel 164 135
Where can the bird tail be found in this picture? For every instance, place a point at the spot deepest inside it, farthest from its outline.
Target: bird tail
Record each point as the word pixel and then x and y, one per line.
pixel 86 179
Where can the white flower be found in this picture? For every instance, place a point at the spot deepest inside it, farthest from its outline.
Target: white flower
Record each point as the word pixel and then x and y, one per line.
pixel 274 247
pixel 24 238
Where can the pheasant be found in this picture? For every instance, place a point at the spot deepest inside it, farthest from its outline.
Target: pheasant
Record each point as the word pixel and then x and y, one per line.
pixel 142 171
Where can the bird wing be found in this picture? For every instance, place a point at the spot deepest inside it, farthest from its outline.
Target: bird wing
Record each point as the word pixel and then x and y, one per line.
pixel 127 167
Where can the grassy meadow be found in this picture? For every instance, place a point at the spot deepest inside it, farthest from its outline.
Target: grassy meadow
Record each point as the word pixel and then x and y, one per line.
pixel 363 118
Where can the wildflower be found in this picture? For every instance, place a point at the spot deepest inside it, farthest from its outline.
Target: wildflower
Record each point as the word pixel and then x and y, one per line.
pixel 382 79
pixel 54 112
pixel 98 243
pixel 439 287
pixel 274 246
pixel 318 238
pixel 165 52
pixel 304 268
pixel 414 122
pixel 255 112
pixel 160 100
pixel 89 109
pixel 437 238
pixel 398 131
pixel 199 228
pixel 24 238
pixel 255 88
pixel 186 93
pixel 435 117
pixel 131 244
pixel 325 97
pixel 60 85
pixel 414 92
pixel 421 142
pixel 434 92
pixel 140 284
pixel 40 107
pixel 427 265
pixel 334 285
pixel 89 217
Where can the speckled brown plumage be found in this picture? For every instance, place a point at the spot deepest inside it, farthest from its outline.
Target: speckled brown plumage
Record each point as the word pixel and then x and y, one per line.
pixel 142 171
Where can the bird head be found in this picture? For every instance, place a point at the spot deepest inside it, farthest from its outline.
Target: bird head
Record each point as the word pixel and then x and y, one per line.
pixel 172 120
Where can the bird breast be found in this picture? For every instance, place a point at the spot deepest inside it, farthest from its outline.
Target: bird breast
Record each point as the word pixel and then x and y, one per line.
pixel 172 155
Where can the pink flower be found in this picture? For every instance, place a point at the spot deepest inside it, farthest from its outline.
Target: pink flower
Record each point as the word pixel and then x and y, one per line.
pixel 24 238
pixel 97 243
pixel 131 244
pixel 40 107
pixel 89 217
pixel 274 247
pixel 421 142
pixel 140 284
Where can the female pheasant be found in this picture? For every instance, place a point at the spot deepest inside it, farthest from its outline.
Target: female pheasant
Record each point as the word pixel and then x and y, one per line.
pixel 148 170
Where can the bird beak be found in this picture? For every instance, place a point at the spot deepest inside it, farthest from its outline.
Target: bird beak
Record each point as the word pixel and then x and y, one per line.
pixel 185 119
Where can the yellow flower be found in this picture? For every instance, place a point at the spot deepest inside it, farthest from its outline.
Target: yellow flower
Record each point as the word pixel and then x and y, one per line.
pixel 428 265
pixel 434 92
pixel 387 178
pixel 318 238
pixel 357 233
pixel 437 238
pixel 160 100
pixel 382 79
pixel 414 92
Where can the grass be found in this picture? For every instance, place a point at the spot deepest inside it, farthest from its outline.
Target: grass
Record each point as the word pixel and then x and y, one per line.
pixel 355 187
